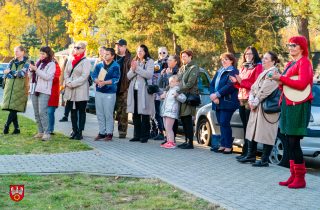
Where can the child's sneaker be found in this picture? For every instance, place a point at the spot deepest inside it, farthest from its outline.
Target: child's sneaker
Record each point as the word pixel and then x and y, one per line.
pixel 170 145
pixel 109 137
pixel 100 136
pixel 165 144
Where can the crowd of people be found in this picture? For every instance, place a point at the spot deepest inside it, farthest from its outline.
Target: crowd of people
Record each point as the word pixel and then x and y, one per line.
pixel 158 93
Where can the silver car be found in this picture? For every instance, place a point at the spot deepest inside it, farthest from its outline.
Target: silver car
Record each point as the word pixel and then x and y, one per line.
pixel 207 124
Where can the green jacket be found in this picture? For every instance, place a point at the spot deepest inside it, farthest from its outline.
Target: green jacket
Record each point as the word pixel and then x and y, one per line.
pixel 190 73
pixel 15 95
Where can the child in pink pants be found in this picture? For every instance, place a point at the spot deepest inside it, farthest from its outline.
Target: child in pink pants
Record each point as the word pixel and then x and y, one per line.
pixel 170 109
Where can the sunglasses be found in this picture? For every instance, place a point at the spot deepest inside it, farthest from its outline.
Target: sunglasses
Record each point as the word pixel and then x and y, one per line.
pixel 291 45
pixel 78 48
pixel 162 53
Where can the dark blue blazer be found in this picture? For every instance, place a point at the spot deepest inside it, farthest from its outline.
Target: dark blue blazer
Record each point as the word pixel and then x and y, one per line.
pixel 227 91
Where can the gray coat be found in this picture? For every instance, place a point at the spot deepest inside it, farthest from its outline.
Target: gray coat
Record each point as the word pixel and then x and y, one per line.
pixel 171 105
pixel 79 81
pixel 144 71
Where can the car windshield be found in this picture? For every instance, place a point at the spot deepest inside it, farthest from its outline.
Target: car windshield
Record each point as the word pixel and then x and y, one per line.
pixel 316 95
pixel 204 84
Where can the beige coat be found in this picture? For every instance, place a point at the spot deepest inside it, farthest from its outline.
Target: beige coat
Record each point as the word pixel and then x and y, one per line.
pixel 144 71
pixel 79 81
pixel 258 129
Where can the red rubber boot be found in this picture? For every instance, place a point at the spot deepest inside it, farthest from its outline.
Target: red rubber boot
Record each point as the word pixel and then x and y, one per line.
pixel 299 181
pixel 291 178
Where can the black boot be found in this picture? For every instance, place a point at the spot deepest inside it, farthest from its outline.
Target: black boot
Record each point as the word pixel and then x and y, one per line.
pixel 264 162
pixel 134 139
pixel 251 157
pixel 189 145
pixel 73 134
pixel 16 131
pixel 5 129
pixel 79 135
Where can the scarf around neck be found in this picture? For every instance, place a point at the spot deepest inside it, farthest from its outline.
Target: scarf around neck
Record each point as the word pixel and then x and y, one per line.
pixel 44 62
pixel 76 58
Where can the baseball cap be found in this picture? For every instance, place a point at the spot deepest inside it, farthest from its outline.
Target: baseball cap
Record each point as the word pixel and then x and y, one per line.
pixel 121 42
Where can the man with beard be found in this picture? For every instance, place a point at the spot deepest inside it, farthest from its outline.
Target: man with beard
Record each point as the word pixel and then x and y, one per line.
pixel 123 58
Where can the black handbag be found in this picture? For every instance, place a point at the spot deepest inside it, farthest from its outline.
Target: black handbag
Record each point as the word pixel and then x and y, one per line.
pixel 90 80
pixel 270 105
pixel 193 100
pixel 152 88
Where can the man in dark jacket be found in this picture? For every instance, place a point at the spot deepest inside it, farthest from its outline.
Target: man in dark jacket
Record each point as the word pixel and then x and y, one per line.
pixel 123 58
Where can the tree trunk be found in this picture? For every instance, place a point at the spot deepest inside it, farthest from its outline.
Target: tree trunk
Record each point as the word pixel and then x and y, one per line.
pixel 304 31
pixel 228 39
pixel 177 48
pixel 67 35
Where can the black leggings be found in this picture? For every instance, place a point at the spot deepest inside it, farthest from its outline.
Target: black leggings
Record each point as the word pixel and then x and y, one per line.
pixel 295 152
pixel 244 116
pixel 81 108
pixel 13 117
pixel 188 128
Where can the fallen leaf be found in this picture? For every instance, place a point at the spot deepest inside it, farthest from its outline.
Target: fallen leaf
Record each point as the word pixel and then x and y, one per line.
pixel 39 185
pixel 49 207
pixel 86 206
pixel 28 142
pixel 161 185
pixel 59 183
pixel 97 154
pixel 95 146
pixel 52 181
pixel 116 177
pixel 175 191
pixel 67 207
pixel 157 185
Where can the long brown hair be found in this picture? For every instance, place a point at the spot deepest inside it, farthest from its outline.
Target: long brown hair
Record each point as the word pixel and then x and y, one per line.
pixel 255 60
pixel 176 58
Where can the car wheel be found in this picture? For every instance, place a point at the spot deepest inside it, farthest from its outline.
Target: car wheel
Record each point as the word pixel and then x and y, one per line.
pixel 280 152
pixel 204 132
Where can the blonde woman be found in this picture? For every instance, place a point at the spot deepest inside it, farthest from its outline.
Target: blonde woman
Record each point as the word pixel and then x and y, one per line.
pixel 77 88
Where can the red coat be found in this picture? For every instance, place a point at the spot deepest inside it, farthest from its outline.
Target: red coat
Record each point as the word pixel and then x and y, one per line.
pixel 248 78
pixel 55 90
pixel 303 69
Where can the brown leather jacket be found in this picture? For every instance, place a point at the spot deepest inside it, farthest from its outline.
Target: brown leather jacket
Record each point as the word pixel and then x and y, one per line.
pixel 126 67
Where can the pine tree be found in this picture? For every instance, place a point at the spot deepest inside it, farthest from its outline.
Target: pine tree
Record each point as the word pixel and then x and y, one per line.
pixel 30 38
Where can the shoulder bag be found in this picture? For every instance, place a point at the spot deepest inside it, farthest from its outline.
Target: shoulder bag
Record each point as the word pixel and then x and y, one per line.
pixel 89 77
pixel 151 89
pixel 192 100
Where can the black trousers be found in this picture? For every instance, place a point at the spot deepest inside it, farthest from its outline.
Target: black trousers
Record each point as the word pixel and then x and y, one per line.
pixel 188 128
pixel 295 152
pixel 175 127
pixel 66 111
pixel 244 113
pixel 141 122
pixel 13 118
pixel 81 108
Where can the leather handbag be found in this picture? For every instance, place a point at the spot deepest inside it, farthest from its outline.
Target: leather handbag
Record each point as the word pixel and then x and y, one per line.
pixel 270 105
pixel 152 88
pixel 193 100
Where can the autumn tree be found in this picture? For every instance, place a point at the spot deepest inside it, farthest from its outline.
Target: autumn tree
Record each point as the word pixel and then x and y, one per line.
pixel 81 26
pixel 13 23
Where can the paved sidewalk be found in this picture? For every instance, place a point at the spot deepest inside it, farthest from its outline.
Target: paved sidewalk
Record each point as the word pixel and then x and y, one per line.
pixel 217 178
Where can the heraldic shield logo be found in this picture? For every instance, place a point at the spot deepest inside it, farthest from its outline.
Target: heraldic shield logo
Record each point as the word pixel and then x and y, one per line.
pixel 16 192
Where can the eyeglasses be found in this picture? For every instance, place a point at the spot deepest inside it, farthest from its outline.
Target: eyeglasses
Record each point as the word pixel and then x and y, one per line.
pixel 224 60
pixel 291 45
pixel 162 53
pixel 248 54
pixel 78 48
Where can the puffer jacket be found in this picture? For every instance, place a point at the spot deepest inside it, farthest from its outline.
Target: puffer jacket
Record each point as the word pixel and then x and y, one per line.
pixel 248 78
pixel 171 105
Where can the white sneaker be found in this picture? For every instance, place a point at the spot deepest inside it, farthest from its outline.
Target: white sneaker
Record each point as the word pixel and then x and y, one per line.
pixel 38 136
pixel 46 137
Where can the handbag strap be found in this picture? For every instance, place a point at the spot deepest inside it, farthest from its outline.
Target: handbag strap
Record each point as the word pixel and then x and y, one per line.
pixel 75 66
pixel 262 110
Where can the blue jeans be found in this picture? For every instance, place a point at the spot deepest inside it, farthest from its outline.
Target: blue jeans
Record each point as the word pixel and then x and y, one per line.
pixel 224 117
pixel 157 121
pixel 51 111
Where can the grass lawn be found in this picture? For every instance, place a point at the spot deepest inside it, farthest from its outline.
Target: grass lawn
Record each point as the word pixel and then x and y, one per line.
pixel 96 192
pixel 24 144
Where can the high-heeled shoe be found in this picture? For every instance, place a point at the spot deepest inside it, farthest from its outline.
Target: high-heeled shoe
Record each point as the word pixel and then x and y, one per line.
pixel 219 151
pixel 247 159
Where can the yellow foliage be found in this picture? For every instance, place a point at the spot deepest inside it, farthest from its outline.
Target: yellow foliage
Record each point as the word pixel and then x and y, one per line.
pixel 82 25
pixel 13 22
